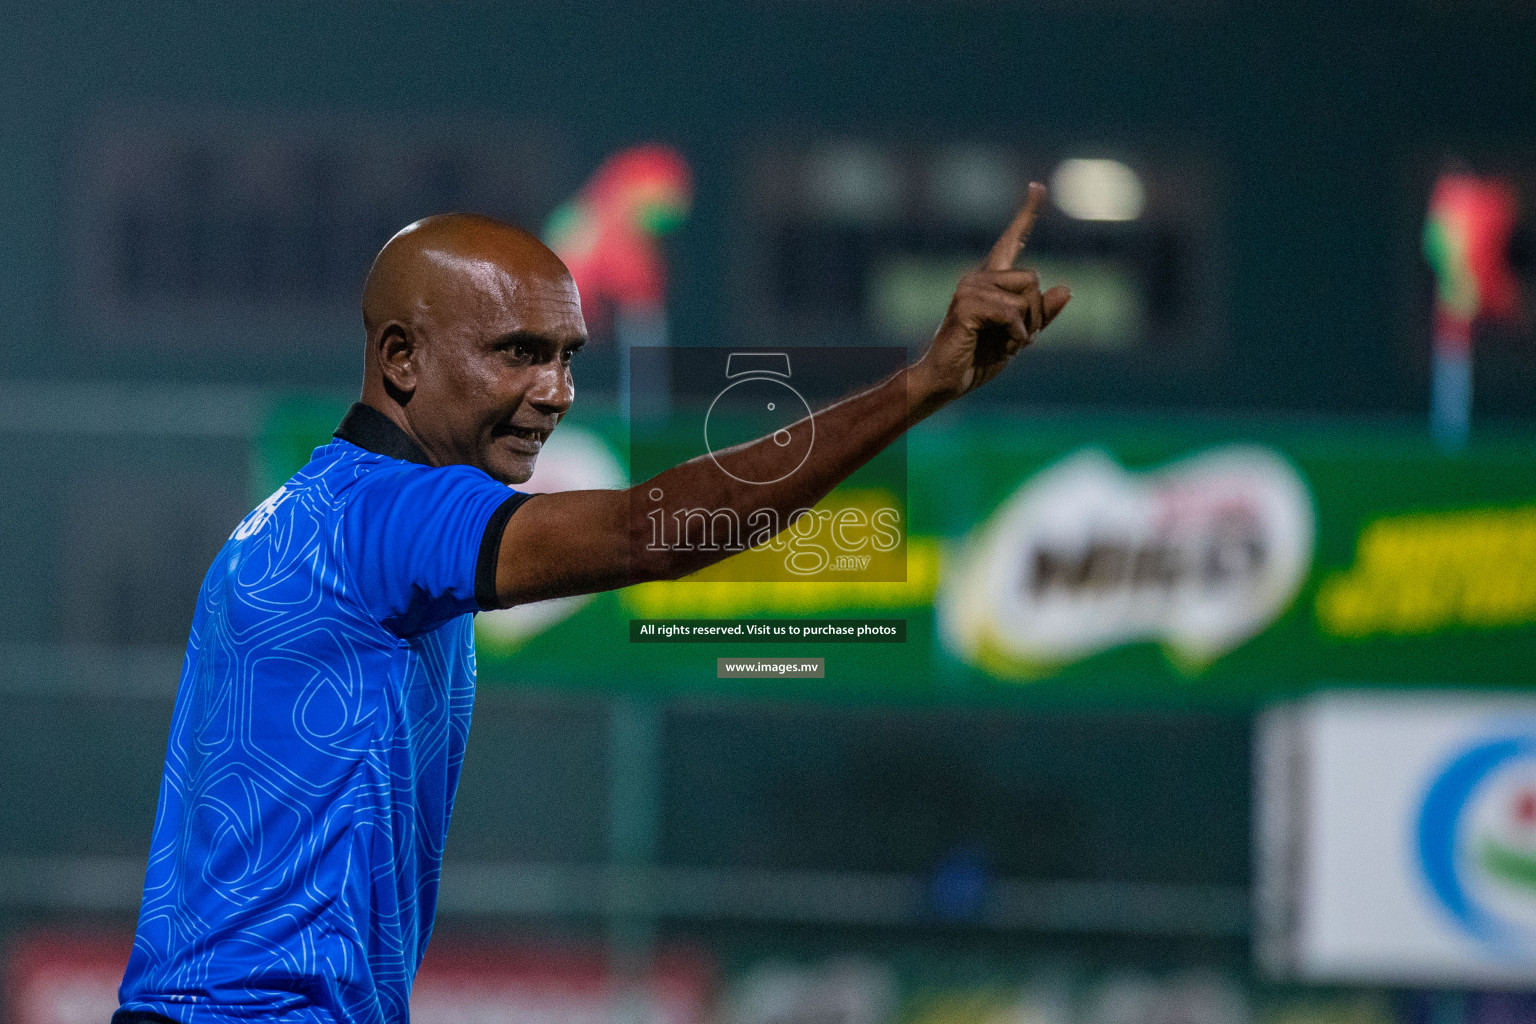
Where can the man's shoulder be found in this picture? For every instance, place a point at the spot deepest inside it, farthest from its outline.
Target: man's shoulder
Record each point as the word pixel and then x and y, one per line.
pixel 328 480
pixel 341 465
pixel 358 482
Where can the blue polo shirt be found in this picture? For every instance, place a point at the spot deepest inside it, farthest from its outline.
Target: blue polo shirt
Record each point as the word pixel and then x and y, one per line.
pixel 316 742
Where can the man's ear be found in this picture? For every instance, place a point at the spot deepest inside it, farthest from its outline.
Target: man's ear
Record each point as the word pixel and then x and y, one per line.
pixel 396 351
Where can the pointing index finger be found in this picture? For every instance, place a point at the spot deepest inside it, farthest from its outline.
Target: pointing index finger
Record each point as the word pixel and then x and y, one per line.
pixel 1011 243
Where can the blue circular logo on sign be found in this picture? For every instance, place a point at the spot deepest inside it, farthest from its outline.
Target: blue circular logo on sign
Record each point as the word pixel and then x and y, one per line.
pixel 1476 840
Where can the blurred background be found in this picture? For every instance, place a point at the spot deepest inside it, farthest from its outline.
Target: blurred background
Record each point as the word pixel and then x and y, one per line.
pixel 1216 699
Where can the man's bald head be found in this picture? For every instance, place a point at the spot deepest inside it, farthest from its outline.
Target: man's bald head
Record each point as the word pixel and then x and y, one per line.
pixel 438 258
pixel 471 324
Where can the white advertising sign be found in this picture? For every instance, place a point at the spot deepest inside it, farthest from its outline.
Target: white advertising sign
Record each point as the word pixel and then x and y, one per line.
pixel 1200 555
pixel 1397 839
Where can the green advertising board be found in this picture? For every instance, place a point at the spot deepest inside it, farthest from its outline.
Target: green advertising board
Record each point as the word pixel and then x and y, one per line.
pixel 1075 559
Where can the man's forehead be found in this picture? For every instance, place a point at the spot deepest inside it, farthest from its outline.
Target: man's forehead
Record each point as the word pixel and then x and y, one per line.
pixel 514 297
pixel 501 278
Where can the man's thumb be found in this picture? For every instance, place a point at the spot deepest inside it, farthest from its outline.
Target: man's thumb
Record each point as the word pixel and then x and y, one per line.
pixel 1055 301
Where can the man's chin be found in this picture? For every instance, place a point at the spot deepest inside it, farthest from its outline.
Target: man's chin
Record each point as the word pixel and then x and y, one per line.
pixel 510 468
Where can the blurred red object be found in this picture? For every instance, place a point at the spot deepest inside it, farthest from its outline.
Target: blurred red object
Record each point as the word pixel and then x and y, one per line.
pixel 65 977
pixel 71 977
pixel 1466 240
pixel 515 983
pixel 607 235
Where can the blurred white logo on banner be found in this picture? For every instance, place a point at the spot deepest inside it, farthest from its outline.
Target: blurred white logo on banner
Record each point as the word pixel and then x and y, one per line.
pixel 573 459
pixel 840 991
pixel 1200 555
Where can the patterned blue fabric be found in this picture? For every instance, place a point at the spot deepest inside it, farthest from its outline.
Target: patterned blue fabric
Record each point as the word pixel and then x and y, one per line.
pixel 315 749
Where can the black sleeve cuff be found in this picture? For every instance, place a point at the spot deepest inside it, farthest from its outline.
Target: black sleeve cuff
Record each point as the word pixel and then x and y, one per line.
pixel 490 551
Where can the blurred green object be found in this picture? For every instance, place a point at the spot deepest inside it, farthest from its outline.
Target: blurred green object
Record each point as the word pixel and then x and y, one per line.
pixel 293 428
pixel 908 296
pixel 1419 569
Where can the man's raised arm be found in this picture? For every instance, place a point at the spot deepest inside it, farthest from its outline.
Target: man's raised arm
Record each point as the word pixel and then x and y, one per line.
pixel 578 542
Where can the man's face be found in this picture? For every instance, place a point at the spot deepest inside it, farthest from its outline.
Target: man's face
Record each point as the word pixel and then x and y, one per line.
pixel 493 368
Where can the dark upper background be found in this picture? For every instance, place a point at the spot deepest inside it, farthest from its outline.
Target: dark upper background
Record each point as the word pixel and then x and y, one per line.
pixel 1320 124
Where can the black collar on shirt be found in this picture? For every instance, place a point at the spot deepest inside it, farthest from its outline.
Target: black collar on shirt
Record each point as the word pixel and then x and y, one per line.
pixel 370 429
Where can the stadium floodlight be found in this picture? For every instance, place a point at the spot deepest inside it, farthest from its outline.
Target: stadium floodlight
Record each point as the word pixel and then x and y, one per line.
pixel 1098 190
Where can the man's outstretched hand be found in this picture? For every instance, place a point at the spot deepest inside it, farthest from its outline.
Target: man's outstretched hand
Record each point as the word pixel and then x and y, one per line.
pixel 580 542
pixel 995 312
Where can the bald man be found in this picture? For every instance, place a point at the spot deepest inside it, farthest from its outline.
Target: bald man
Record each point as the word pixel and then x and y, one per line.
pixel 325 699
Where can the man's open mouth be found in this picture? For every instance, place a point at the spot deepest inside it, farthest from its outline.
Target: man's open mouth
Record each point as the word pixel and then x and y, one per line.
pixel 532 434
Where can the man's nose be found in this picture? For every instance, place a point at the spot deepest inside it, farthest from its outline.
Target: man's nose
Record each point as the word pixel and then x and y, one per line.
pixel 553 390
